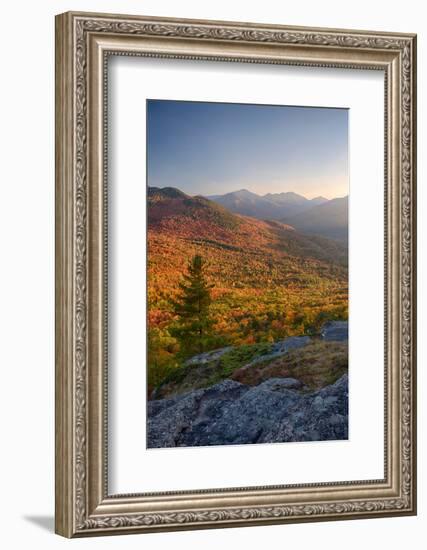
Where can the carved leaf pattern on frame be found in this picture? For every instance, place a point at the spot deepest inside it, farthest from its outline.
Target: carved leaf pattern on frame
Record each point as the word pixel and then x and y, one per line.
pixel 212 31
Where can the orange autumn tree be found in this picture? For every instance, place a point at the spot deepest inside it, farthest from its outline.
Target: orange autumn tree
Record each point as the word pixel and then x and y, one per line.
pixel 161 356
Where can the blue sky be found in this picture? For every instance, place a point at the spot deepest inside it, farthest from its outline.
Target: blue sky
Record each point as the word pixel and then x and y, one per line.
pixel 214 148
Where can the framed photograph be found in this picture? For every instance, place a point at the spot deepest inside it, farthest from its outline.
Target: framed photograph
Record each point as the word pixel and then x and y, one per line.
pixel 235 274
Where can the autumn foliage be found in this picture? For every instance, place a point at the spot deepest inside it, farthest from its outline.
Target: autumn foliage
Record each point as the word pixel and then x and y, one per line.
pixel 264 280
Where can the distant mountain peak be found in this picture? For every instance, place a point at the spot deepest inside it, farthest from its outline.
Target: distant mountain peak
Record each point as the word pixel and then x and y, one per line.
pixel 318 201
pixel 288 200
pixel 288 194
pixel 319 198
pixel 243 193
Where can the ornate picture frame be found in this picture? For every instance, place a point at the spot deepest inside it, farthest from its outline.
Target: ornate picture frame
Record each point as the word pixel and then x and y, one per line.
pixel 84 42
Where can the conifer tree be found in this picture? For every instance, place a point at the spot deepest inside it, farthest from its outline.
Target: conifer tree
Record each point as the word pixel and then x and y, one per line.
pixel 193 328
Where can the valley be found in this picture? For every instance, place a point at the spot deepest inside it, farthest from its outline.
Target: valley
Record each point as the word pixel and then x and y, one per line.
pixel 317 216
pixel 269 281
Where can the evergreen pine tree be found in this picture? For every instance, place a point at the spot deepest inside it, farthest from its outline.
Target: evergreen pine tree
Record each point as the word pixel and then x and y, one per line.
pixel 193 328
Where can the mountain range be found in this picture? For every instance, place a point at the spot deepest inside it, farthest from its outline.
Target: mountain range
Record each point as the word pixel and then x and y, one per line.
pixel 204 221
pixel 328 218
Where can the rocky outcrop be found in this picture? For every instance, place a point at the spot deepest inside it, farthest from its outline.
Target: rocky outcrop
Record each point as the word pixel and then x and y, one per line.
pixel 277 349
pixel 316 365
pixel 280 348
pixel 205 369
pixel 335 331
pixel 208 357
pixel 231 413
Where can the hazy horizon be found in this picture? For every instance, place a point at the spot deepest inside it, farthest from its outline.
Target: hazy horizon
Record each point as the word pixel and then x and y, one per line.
pixel 217 148
pixel 244 189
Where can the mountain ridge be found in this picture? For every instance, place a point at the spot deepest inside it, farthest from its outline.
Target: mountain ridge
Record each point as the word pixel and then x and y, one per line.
pixel 197 217
pixel 327 219
pixel 271 206
pixel 249 204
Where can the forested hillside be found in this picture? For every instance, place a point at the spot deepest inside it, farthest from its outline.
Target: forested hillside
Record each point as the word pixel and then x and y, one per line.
pixel 267 281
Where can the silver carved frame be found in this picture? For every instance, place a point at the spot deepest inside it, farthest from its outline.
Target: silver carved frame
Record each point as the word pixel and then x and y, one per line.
pixel 83 43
